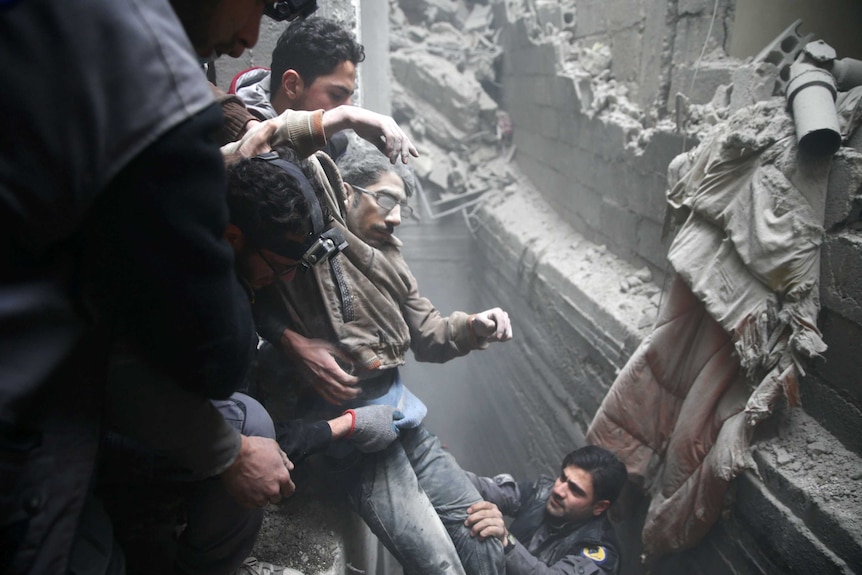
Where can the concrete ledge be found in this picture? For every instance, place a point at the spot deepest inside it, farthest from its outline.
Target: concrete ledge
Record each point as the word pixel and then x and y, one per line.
pixel 805 514
pixel 814 478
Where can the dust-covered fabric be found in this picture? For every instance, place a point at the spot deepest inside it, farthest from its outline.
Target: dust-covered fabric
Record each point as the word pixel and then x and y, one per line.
pixel 735 329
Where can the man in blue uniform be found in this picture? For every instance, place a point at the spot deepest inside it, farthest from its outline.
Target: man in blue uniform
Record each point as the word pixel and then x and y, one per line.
pixel 560 525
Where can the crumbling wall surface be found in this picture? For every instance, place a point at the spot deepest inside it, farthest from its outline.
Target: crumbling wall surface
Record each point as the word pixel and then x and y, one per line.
pixel 832 390
pixel 584 145
pixel 599 163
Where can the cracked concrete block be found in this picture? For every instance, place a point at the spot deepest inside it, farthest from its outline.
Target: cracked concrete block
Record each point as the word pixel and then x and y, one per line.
pixel 439 175
pixel 841 275
pixel 624 14
pixel 584 91
pixel 569 14
pixel 691 36
pixel 752 83
pixel 564 93
pixel 844 190
pixel 454 94
pixel 549 13
pixel 592 18
pixel 626 49
pixel 708 78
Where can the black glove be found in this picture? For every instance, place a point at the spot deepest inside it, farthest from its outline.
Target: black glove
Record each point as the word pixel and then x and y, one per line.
pixel 373 427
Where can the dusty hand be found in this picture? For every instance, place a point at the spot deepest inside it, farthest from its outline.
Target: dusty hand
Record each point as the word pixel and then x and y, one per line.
pixel 492 325
pixel 374 427
pixel 331 382
pixel 380 130
pixel 485 520
pixel 261 473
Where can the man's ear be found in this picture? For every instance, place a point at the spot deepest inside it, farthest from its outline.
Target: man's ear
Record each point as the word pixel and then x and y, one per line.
pixel 292 85
pixel 234 237
pixel 600 507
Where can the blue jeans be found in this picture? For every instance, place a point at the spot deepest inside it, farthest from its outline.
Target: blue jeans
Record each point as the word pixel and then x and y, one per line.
pixel 414 497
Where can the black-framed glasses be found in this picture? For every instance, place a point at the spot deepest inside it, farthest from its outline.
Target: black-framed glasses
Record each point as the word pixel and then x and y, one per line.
pixel 387 201
pixel 285 269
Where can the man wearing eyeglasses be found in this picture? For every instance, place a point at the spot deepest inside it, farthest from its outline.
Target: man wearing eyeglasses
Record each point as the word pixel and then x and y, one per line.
pixel 412 495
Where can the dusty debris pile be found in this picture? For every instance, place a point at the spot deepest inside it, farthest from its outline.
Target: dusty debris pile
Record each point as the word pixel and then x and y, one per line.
pixel 445 62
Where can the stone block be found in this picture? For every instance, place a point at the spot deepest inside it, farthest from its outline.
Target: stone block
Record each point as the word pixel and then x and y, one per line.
pixel 841 275
pixel 571 122
pixel 543 91
pixel 592 18
pixel 838 416
pixel 844 190
pixel 691 35
pixel 619 224
pixel 549 123
pixel 623 14
pixel 752 82
pixel 565 96
pixel 545 60
pixel 626 47
pixel 559 156
pixel 580 206
pixel 653 41
pixel 840 363
pixel 528 116
pixel 454 94
pixel 709 77
pixel 549 14
pixel 662 148
pixel 608 139
pixel 785 539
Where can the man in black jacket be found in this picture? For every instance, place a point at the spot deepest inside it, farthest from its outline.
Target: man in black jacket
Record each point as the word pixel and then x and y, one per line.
pixel 113 215
pixel 560 525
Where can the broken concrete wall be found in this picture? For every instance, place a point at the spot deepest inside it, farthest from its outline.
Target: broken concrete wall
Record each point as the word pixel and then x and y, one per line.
pixel 599 161
pixel 583 146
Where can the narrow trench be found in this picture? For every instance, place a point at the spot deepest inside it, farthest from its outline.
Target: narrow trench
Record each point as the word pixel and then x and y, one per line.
pixel 472 402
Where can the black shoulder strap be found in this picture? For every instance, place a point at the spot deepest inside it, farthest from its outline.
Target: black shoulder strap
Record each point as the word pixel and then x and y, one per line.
pixel 304 186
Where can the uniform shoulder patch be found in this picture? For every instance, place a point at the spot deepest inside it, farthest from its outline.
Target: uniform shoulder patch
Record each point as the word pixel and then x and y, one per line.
pixel 597 554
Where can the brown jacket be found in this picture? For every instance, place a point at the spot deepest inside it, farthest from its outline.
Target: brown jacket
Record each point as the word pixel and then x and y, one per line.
pixel 375 313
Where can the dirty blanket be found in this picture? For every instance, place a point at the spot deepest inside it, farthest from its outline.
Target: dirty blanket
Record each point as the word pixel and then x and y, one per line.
pixel 736 327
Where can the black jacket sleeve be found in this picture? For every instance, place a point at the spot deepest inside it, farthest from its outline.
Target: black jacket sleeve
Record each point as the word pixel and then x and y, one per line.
pixel 300 438
pixel 167 270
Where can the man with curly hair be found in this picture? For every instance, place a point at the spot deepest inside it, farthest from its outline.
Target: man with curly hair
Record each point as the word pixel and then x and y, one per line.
pixel 313 68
